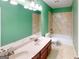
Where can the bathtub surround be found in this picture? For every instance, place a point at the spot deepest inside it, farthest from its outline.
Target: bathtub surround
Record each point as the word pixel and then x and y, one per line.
pixel 62 23
pixel 63 39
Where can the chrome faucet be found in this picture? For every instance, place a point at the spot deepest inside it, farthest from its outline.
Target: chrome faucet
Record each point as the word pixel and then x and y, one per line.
pixel 10 51
pixel 7 52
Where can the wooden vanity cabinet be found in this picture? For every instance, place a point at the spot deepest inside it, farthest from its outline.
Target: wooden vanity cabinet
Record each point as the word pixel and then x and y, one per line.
pixel 44 52
pixel 49 48
pixel 36 56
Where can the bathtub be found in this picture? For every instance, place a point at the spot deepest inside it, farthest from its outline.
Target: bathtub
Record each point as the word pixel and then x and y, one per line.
pixel 64 39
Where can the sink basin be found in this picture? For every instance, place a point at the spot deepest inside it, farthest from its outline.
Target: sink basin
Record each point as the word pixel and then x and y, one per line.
pixel 20 55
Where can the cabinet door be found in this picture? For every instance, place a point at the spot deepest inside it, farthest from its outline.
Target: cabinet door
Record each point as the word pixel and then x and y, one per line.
pixel 36 56
pixel 44 55
pixel 44 52
pixel 49 49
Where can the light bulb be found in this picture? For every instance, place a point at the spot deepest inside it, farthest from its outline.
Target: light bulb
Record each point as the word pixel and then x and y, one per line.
pixel 30 8
pixel 34 9
pixel 32 4
pixel 22 2
pixel 13 2
pixel 40 8
pixel 37 6
pixel 25 6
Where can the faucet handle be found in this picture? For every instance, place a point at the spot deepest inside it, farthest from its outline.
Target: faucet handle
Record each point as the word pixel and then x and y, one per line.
pixel 3 52
pixel 10 51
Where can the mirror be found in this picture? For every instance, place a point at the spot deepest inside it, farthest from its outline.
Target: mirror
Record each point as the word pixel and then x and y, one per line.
pixel 36 23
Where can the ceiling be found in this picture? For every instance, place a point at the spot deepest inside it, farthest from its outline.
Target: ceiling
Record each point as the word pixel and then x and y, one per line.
pixel 58 3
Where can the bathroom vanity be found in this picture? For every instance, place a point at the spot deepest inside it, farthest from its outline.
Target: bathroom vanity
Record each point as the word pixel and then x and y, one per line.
pixel 44 52
pixel 34 50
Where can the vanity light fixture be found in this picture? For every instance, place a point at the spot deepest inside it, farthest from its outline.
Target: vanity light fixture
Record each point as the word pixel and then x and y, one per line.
pixel 22 2
pixel 13 2
pixel 34 9
pixel 26 4
pixel 31 5
pixel 30 8
pixel 26 7
pixel 40 8
pixel 37 6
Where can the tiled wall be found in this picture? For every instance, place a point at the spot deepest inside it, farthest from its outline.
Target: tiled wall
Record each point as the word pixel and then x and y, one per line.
pixel 50 22
pixel 62 23
pixel 35 23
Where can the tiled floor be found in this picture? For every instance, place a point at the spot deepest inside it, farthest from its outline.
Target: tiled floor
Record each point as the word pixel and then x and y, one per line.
pixel 62 52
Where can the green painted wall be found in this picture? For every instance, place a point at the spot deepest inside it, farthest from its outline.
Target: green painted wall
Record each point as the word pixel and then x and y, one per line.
pixel 16 23
pixel 75 24
pixel 44 16
pixel 64 9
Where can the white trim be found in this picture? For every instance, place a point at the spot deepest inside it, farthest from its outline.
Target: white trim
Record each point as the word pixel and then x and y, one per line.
pixel 78 30
pixel 0 26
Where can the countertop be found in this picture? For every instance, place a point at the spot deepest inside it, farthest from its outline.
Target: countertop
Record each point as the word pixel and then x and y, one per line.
pixel 27 51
